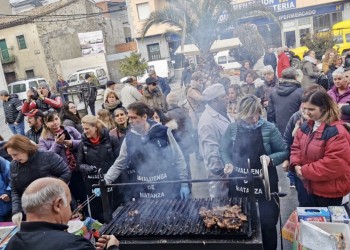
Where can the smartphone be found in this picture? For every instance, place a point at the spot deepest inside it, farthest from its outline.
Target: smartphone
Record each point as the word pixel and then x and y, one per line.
pixel 66 135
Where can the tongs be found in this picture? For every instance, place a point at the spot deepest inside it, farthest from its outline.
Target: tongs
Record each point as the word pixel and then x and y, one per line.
pixel 86 202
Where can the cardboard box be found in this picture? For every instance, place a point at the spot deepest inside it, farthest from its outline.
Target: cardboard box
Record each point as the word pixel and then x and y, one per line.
pixel 339 214
pixel 307 212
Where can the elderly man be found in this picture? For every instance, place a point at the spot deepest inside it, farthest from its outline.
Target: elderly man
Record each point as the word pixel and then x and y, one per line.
pixel 42 99
pixel 35 122
pixel 283 61
pixel 211 127
pixel 149 153
pixel 12 110
pixel 46 204
pixel 285 100
pixel 129 93
pixel 270 83
pixel 163 83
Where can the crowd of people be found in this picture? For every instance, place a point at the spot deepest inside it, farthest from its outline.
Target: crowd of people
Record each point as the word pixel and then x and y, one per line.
pixel 144 135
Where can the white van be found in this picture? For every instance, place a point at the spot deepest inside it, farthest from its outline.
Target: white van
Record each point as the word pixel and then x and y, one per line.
pixel 21 87
pixel 227 62
pixel 78 77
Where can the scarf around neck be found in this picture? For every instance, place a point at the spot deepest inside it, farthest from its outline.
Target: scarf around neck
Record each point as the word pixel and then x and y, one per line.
pixel 252 126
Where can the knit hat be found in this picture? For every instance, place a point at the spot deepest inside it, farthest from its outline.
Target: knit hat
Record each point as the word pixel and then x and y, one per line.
pixel 4 93
pixel 214 91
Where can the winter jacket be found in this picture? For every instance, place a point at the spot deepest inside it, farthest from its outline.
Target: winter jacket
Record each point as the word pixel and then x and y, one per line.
pixel 154 99
pixel 164 85
pixel 89 91
pixel 12 109
pixel 324 157
pixel 34 135
pixel 266 90
pixel 283 63
pixel 39 165
pixel 49 144
pixel 251 89
pixel 284 102
pixel 343 98
pixel 5 188
pixel 129 94
pixel 31 235
pixel 52 102
pixel 196 102
pixel 270 59
pixel 310 72
pixel 186 76
pixel 242 71
pixel 112 108
pixel 101 155
pixel 332 68
pixel 274 145
pixel 62 86
pixel 288 133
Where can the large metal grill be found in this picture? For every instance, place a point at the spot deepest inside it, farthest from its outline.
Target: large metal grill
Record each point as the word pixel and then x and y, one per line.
pixel 161 219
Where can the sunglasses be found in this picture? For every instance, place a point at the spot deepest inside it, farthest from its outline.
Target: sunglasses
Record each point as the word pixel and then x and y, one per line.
pixel 154 83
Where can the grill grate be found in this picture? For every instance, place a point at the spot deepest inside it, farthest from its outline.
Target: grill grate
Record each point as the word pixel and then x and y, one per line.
pixel 161 218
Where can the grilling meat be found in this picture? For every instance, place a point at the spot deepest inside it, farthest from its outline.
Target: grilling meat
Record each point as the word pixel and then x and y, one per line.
pixel 133 213
pixel 226 217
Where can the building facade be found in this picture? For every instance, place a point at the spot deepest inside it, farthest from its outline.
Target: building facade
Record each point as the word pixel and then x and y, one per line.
pixel 33 44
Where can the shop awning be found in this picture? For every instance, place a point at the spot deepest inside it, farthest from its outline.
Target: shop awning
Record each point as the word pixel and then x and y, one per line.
pixel 218 45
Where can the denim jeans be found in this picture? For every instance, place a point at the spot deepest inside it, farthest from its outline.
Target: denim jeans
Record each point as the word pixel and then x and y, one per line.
pixel 17 129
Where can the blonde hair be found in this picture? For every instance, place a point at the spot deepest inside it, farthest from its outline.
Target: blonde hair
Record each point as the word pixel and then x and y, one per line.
pixel 94 122
pixel 105 116
pixel 248 106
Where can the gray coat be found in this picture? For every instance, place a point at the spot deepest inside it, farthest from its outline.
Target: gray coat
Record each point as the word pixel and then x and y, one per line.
pixel 310 73
pixel 211 128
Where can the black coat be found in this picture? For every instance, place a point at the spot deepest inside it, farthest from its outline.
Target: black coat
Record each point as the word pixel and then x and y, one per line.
pixel 39 165
pixel 13 110
pixel 284 102
pixel 270 59
pixel 44 235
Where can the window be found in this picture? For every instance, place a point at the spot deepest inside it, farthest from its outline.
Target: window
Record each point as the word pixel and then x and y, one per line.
pixel 347 38
pixel 73 78
pixel 30 73
pixel 231 59
pixel 33 84
pixel 100 72
pixel 18 88
pixel 326 20
pixel 143 10
pixel 222 60
pixel 21 42
pixel 153 51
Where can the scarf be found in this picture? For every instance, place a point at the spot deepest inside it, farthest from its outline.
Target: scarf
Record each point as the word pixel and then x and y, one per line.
pixel 111 106
pixel 95 141
pixel 251 126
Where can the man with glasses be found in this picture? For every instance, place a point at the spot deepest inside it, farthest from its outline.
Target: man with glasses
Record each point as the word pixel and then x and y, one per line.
pixel 153 95
pixel 42 99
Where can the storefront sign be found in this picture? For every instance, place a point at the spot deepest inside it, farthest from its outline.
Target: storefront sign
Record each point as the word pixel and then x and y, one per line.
pixel 275 5
pixel 310 11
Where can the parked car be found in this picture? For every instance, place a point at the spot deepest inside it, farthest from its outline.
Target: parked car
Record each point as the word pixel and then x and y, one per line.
pixel 78 77
pixel 21 87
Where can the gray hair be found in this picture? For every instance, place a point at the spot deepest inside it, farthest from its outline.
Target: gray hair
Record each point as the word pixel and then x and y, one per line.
pixel 290 73
pixel 338 72
pixel 42 200
pixel 248 106
pixel 267 69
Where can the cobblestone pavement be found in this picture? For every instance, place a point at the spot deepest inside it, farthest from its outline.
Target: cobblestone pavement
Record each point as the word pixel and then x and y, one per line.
pixel 288 203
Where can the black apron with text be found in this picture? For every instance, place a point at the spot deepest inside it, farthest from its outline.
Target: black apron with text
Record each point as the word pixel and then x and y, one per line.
pixel 249 144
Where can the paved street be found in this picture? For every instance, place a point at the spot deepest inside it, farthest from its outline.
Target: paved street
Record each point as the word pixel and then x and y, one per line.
pixel 288 203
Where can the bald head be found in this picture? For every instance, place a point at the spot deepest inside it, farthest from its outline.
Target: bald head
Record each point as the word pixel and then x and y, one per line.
pixel 47 199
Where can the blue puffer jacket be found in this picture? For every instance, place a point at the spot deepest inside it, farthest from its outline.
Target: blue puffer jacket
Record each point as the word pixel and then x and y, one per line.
pixel 5 207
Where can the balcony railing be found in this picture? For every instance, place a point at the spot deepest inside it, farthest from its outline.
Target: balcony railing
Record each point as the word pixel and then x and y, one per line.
pixel 6 56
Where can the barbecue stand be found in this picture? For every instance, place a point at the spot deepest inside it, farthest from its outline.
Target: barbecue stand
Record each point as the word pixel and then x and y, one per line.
pixel 179 224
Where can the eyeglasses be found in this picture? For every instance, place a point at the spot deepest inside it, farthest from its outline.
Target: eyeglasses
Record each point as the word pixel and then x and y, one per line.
pixel 154 84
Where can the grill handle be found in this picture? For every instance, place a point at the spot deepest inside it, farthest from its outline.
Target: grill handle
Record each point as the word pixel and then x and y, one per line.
pixel 107 214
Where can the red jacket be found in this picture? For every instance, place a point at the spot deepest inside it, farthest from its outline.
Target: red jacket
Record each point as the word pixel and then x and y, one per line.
pixel 283 63
pixel 324 157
